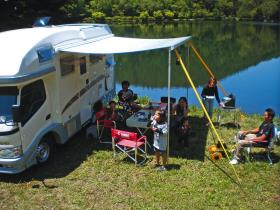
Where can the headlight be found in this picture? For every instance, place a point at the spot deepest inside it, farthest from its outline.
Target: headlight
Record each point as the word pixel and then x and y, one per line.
pixel 10 151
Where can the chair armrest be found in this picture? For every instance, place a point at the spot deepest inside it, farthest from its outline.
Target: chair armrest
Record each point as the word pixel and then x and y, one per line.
pixel 142 138
pixel 106 123
pixel 260 141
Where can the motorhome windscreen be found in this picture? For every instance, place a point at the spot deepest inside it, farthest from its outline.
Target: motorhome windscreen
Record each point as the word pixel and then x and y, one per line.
pixel 8 98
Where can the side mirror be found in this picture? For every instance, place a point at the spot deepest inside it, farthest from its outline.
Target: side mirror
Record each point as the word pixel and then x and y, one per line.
pixel 17 113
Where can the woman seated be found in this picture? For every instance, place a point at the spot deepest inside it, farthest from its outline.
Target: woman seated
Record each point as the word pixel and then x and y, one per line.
pixel 99 111
pixel 182 110
pixel 181 122
pixel 184 130
pixel 113 114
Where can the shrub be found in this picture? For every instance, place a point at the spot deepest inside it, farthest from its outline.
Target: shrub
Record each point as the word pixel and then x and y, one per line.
pixel 98 16
pixel 158 15
pixel 144 16
pixel 168 14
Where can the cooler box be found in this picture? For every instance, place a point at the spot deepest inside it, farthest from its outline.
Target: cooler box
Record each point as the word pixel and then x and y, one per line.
pixel 229 101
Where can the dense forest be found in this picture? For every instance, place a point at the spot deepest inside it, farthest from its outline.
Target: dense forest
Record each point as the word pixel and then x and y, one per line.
pixel 19 12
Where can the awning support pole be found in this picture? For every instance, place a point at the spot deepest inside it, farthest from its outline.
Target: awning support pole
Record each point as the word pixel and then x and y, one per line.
pixel 203 108
pixel 168 102
pixel 207 68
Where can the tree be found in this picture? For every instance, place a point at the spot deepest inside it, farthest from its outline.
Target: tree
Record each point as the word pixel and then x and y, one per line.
pixel 144 16
pixel 168 14
pixel 98 17
pixel 75 9
pixel 158 15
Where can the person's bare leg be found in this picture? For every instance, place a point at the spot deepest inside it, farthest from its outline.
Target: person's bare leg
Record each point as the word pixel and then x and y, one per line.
pixel 157 157
pixel 164 159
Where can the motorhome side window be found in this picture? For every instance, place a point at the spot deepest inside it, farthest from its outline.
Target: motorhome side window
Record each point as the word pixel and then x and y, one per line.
pixel 83 65
pixel 95 58
pixel 45 53
pixel 32 98
pixel 67 64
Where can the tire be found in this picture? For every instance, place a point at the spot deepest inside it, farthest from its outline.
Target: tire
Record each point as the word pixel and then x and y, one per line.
pixel 93 118
pixel 44 150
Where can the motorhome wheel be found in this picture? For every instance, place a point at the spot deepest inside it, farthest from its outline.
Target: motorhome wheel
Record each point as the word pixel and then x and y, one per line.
pixel 44 151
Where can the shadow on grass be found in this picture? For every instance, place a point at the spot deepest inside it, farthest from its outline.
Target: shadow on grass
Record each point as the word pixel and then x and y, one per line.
pixel 68 157
pixel 261 156
pixel 65 159
pixel 230 125
pixel 222 170
pixel 196 142
pixel 173 167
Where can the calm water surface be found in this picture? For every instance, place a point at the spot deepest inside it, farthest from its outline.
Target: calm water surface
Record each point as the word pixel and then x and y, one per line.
pixel 245 57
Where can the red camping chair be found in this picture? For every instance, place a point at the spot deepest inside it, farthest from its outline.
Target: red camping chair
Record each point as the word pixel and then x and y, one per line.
pixel 128 143
pixel 100 128
pixel 103 130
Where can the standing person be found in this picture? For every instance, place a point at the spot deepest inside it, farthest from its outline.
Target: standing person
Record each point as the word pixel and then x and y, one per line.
pixel 159 127
pixel 255 136
pixel 209 92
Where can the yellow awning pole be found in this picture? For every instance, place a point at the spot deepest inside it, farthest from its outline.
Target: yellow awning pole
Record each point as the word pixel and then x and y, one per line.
pixel 207 68
pixel 179 58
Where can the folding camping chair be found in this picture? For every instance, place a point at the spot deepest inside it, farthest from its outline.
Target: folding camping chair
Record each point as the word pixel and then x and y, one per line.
pixel 128 143
pixel 267 146
pixel 104 130
pixel 99 127
pixel 162 105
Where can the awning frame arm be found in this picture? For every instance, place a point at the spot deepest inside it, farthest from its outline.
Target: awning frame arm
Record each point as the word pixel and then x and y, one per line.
pixel 207 68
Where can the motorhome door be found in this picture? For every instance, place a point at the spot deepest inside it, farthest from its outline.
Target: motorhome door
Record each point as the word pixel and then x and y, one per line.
pixel 69 92
pixel 85 87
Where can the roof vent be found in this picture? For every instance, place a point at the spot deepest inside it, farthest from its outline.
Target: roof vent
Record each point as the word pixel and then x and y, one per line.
pixel 42 21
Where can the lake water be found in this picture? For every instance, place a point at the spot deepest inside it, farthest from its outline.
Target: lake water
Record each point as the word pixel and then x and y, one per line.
pixel 245 57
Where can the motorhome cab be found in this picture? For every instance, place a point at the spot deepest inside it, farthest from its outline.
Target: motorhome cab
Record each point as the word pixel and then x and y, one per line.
pixel 47 95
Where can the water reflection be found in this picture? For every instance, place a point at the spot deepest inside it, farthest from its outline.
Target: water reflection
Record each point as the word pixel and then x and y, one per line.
pixel 243 56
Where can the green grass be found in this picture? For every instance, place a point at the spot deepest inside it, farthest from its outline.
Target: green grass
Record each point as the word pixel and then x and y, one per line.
pixel 81 175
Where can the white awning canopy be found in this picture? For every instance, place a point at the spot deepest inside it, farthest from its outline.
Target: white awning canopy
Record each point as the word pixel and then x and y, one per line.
pixel 117 45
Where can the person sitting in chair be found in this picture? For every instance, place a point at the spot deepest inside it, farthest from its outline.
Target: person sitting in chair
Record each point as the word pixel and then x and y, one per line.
pixel 184 130
pixel 113 114
pixel 127 97
pixel 182 111
pixel 261 135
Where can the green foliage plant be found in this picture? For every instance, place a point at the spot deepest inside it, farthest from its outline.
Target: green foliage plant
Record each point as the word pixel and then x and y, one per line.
pixel 98 17
pixel 158 15
pixel 169 15
pixel 144 16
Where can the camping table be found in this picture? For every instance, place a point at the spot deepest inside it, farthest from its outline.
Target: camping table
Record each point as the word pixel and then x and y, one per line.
pixel 139 120
pixel 228 110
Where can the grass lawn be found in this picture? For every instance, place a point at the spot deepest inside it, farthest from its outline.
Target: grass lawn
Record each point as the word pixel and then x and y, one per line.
pixel 83 175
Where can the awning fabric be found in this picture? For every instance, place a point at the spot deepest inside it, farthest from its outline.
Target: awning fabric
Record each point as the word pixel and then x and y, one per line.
pixel 117 45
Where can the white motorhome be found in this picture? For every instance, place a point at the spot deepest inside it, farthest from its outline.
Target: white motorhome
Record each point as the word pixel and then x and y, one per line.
pixel 50 79
pixel 47 95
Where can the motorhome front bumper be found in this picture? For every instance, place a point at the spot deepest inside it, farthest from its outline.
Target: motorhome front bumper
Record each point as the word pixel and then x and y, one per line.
pixel 12 166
